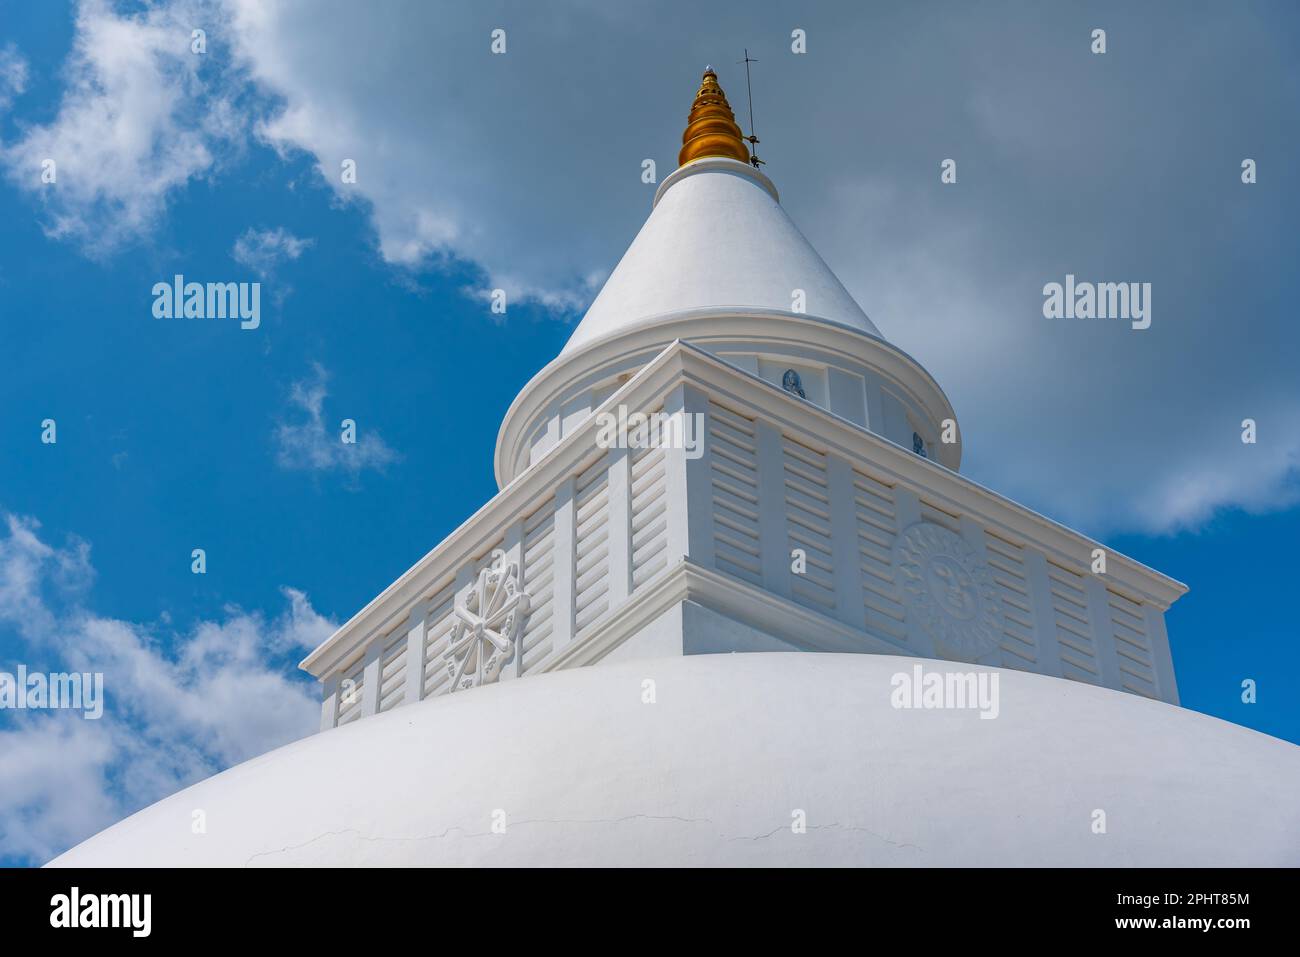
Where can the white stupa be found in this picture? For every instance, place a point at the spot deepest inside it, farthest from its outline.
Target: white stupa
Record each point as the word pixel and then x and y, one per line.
pixel 761 621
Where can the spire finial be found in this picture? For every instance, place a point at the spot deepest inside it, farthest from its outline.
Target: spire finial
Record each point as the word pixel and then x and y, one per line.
pixel 711 129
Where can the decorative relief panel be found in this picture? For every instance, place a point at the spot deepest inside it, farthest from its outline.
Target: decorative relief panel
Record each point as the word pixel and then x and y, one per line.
pixel 487 625
pixel 950 590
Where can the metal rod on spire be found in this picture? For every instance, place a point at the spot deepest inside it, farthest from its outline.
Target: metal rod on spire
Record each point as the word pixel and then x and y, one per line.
pixel 752 138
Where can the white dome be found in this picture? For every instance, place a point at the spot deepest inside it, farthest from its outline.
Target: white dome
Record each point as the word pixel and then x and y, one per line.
pixel 586 773
pixel 717 239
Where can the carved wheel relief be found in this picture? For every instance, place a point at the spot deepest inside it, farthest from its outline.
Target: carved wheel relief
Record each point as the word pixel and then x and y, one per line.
pixel 949 589
pixel 488 621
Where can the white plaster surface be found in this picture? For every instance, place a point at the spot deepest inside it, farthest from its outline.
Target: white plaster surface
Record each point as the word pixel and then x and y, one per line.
pixel 588 774
pixel 716 240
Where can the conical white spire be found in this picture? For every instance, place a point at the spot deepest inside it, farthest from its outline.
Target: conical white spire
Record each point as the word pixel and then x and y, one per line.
pixel 717 240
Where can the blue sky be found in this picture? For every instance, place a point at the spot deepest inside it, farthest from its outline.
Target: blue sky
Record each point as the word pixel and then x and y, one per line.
pixel 523 171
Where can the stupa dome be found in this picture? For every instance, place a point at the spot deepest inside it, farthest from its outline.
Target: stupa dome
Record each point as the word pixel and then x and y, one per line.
pixel 577 768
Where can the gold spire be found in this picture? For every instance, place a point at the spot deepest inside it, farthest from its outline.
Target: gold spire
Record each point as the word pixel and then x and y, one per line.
pixel 711 129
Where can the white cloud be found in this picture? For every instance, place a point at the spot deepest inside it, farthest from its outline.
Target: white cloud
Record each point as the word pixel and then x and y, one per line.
pixel 309 445
pixel 29 569
pixel 136 121
pixel 178 706
pixel 13 75
pixel 452 162
pixel 57 790
pixel 264 250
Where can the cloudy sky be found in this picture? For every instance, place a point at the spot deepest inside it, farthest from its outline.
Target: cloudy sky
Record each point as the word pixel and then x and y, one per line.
pixel 523 171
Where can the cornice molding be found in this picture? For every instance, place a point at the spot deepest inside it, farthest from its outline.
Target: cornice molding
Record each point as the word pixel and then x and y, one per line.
pixel 715 164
